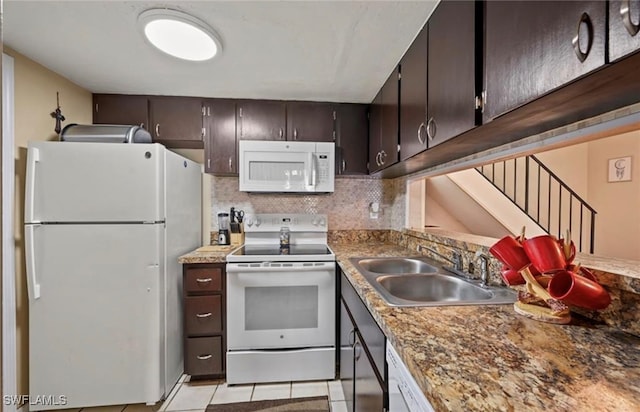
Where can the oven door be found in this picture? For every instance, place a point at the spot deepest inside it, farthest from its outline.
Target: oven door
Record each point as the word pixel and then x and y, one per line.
pixel 280 305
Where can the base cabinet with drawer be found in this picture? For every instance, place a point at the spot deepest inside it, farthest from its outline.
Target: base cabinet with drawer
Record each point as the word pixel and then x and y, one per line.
pixel 204 295
pixel 362 354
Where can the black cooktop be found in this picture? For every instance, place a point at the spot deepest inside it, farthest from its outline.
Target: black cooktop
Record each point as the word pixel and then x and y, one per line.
pixel 274 250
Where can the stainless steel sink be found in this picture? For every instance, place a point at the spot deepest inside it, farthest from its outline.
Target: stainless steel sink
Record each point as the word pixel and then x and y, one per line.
pixel 397 265
pixel 420 281
pixel 432 288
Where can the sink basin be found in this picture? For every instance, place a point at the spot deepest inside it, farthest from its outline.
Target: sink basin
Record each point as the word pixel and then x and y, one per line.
pixel 396 265
pixel 432 288
pixel 420 281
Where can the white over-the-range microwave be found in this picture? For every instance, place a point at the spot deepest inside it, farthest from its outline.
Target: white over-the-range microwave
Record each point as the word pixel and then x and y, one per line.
pixel 276 166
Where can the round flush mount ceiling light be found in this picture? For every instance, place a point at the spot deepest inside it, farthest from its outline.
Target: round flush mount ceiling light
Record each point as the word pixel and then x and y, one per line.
pixel 179 34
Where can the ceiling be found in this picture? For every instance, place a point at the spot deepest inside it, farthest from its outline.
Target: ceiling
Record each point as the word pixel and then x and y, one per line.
pixel 340 51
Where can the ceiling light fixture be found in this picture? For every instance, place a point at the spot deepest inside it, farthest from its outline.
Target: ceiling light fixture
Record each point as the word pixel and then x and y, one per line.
pixel 179 34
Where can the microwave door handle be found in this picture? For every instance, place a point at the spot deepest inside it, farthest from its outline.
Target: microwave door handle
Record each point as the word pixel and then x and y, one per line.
pixel 314 171
pixel 312 168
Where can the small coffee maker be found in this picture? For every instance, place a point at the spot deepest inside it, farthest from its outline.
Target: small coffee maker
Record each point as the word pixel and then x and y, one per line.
pixel 223 229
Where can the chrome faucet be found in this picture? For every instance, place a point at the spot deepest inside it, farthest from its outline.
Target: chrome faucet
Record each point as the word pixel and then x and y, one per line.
pixel 484 268
pixel 455 260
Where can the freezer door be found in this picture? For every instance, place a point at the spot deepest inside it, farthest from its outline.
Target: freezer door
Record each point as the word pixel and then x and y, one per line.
pixel 95 329
pixel 94 182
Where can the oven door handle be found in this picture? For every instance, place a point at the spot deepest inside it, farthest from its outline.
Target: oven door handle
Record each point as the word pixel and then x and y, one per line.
pixel 278 267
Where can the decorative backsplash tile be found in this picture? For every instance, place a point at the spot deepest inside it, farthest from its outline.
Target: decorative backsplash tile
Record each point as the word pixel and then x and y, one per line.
pixel 347 207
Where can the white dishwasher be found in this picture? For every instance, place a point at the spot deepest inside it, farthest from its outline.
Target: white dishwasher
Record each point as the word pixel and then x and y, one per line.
pixel 404 393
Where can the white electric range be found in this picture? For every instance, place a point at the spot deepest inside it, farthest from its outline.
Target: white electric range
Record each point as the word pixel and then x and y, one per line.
pixel 281 298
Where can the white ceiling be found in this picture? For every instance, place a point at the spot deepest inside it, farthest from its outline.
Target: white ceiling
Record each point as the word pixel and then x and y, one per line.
pixel 338 51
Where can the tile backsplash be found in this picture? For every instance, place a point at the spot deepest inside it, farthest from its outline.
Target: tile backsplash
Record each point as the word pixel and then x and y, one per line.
pixel 347 207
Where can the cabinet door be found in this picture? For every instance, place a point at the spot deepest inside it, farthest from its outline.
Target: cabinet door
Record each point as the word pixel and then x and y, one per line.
pixel 368 392
pixel 347 340
pixel 452 76
pixel 529 48
pixel 389 125
pixel 177 121
pixel 120 109
pixel 310 121
pixel 220 137
pixel 624 25
pixel 413 97
pixel 352 135
pixel 375 133
pixel 261 120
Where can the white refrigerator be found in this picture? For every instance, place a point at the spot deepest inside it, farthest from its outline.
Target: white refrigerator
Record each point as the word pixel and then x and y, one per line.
pixel 104 226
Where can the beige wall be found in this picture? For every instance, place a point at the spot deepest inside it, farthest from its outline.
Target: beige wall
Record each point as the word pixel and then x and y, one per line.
pixel 618 204
pixel 35 99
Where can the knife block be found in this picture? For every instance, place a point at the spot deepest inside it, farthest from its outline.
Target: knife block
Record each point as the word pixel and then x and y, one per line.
pixel 237 237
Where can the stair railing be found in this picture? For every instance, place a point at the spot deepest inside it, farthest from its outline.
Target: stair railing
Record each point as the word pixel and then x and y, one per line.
pixel 545 198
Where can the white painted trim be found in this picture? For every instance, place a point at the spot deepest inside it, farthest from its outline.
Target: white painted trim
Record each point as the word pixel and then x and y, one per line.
pixel 9 361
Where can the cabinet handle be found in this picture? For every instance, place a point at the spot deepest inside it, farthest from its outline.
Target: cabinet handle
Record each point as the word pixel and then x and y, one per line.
pixel 157 129
pixel 230 164
pixel 357 350
pixel 420 138
pixel 142 125
pixel 383 156
pixel 203 315
pixel 352 337
pixel 207 280
pixel 378 159
pixel 586 20
pixel 625 14
pixel 97 103
pixel 431 128
pixel 208 110
pixel 208 163
pixel 204 357
pixel 344 165
pixel 295 134
pixel 281 133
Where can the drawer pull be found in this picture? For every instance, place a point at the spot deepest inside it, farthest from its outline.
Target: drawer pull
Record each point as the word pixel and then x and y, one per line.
pixel 207 280
pixel 203 315
pixel 204 357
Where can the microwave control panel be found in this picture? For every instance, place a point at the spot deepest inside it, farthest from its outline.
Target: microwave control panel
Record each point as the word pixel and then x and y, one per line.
pixel 323 167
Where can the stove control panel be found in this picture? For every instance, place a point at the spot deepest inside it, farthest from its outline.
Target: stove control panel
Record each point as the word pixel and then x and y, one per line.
pixel 272 222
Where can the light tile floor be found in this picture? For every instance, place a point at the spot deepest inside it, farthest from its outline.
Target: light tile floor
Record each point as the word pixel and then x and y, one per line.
pixel 195 396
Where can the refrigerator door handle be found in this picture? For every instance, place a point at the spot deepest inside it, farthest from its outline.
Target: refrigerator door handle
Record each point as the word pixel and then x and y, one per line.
pixel 33 157
pixel 32 278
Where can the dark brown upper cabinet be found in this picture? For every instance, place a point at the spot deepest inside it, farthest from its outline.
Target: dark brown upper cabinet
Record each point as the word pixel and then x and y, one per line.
pixel 390 122
pixel 177 122
pixel 624 24
pixel 220 145
pixel 383 125
pixel 533 47
pixel 375 133
pixel 451 101
pixel 120 109
pixel 261 120
pixel 352 135
pixel 310 121
pixel 413 97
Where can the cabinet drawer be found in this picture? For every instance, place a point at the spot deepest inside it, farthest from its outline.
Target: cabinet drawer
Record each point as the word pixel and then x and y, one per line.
pixel 203 315
pixel 203 280
pixel 204 356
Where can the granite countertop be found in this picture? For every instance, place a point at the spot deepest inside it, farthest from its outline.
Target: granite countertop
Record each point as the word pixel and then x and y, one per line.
pixel 477 358
pixel 208 254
